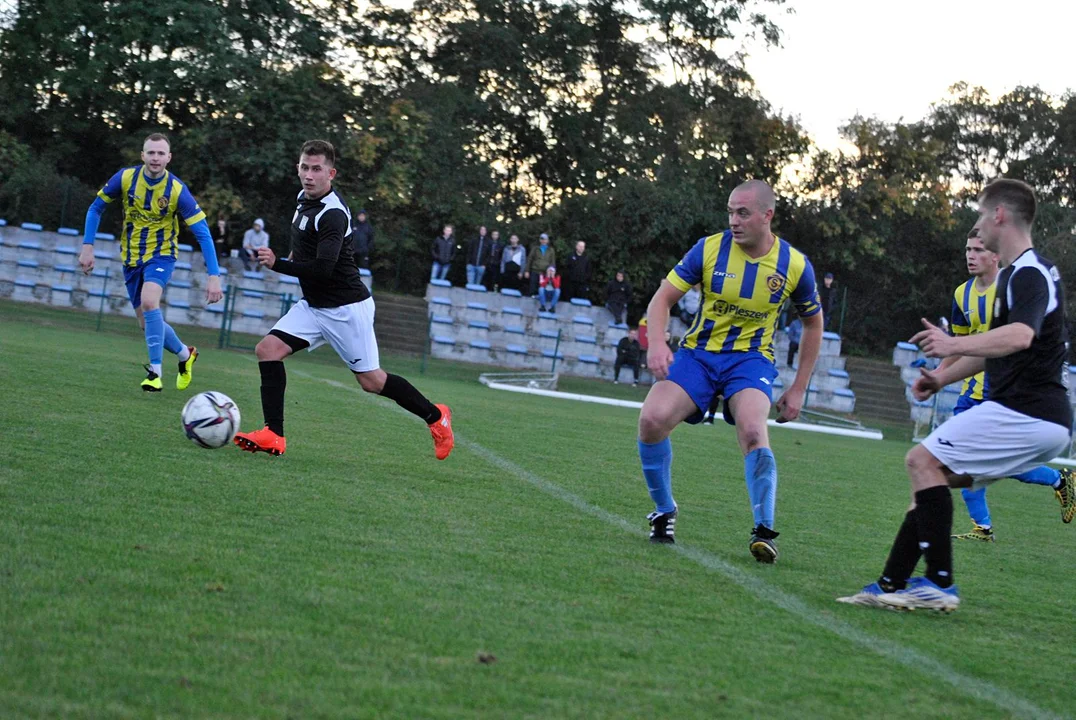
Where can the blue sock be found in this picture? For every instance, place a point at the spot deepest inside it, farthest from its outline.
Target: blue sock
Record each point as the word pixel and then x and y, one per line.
pixel 977 508
pixel 155 336
pixel 657 469
pixel 1042 475
pixel 760 471
pixel 172 342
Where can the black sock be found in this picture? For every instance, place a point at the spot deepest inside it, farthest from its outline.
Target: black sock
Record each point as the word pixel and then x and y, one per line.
pixel 903 556
pixel 274 380
pixel 934 518
pixel 410 399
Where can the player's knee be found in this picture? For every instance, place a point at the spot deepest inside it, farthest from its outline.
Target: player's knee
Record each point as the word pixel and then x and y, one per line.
pixel 270 349
pixel 372 382
pixel 752 438
pixel 653 426
pixel 917 459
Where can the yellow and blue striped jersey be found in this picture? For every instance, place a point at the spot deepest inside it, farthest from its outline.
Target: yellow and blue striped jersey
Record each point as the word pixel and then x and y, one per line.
pixel 742 296
pixel 973 309
pixel 151 212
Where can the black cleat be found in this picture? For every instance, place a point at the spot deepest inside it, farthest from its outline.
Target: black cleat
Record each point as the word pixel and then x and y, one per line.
pixel 762 545
pixel 662 527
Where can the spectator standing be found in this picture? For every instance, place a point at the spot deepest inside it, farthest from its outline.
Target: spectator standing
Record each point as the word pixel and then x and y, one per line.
pixel 628 353
pixel 549 290
pixel 493 264
pixel 576 273
pixel 513 260
pixel 795 332
pixel 618 297
pixel 827 294
pixel 253 239
pixel 362 234
pixel 688 307
pixel 220 236
pixel 538 261
pixel 478 250
pixel 444 250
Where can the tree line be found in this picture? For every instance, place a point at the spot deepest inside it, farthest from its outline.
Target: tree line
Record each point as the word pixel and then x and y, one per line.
pixel 623 124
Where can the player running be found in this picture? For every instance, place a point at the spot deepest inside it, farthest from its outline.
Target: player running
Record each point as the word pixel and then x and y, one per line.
pixel 1026 421
pixel 973 306
pixel 336 308
pixel 746 274
pixel 153 201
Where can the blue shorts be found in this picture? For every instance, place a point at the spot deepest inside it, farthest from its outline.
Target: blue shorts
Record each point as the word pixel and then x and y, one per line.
pixel 703 375
pixel 964 402
pixel 155 270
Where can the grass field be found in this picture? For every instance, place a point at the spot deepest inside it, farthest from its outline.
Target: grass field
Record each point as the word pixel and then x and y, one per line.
pixel 356 576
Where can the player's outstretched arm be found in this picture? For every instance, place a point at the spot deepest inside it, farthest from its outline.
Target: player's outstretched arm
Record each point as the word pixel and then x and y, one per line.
pixel 791 402
pixel 89 234
pixel 659 357
pixel 213 292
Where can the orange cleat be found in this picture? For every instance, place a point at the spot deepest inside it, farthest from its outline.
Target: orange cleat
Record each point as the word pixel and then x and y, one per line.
pixel 265 440
pixel 443 439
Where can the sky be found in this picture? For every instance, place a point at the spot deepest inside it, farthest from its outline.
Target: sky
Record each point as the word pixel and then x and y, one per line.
pixel 891 59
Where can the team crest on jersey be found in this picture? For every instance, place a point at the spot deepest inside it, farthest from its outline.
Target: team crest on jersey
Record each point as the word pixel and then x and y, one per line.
pixel 162 203
pixel 775 282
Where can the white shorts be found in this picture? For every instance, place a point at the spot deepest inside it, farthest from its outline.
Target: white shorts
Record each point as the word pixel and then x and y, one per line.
pixel 989 442
pixel 349 329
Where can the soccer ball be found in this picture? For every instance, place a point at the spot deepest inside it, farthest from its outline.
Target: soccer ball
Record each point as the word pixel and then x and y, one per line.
pixel 210 419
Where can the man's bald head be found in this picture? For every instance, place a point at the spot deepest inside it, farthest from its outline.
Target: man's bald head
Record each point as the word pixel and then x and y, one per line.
pixel 762 192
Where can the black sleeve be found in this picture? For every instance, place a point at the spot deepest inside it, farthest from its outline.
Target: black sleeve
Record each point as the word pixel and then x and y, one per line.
pixel 331 229
pixel 1030 298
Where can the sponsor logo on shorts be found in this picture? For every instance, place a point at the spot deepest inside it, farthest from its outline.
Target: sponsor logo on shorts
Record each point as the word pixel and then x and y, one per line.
pixel 765 380
pixel 946 443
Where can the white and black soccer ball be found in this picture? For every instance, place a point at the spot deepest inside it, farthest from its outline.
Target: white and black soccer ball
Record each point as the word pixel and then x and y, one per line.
pixel 210 419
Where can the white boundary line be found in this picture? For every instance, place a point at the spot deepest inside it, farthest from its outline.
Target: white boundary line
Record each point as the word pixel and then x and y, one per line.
pixel 824 429
pixel 910 658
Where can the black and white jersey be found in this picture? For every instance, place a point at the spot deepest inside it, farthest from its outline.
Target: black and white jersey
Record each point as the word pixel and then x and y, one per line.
pixel 322 255
pixel 1032 381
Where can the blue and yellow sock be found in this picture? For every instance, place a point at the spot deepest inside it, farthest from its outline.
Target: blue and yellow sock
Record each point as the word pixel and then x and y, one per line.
pixel 172 342
pixel 155 338
pixel 977 508
pixel 760 472
pixel 1042 475
pixel 656 460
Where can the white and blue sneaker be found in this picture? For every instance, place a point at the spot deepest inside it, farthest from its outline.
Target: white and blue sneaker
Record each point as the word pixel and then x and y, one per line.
pixel 922 594
pixel 868 597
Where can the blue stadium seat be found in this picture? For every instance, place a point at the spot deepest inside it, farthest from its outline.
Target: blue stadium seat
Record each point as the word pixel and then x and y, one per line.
pixel 258 314
pixel 223 270
pixel 550 354
pixel 618 326
pixel 24 282
pixel 32 227
pixel 185 266
pixel 547 315
pixel 510 292
pixel 215 309
pixel 444 339
pixel 184 247
pixel 838 373
pixel 252 294
pixel 27 263
pixel 516 349
pixel 104 255
pixel 181 304
pixel 68 231
pixel 478 325
pixel 830 336
pixel 442 320
pixel 514 330
pixel 3 222
pixel 512 311
pixel 64 268
pixel 363 272
pixel 480 344
pixel 29 245
pixel 587 339
pixel 844 392
pixel 59 287
pixel 252 275
pixel 477 306
pixel 66 250
pixel 908 346
pixel 476 288
pixel 104 236
pixel 581 302
pixel 441 283
pixel 103 273
pixel 289 280
pixel 181 284
pixel 440 301
pixel 589 359
pixel 550 334
pixel 583 320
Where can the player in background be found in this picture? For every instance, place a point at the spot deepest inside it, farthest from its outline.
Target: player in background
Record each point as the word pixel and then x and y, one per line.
pixel 336 308
pixel 746 273
pixel 1026 421
pixel 973 306
pixel 153 201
